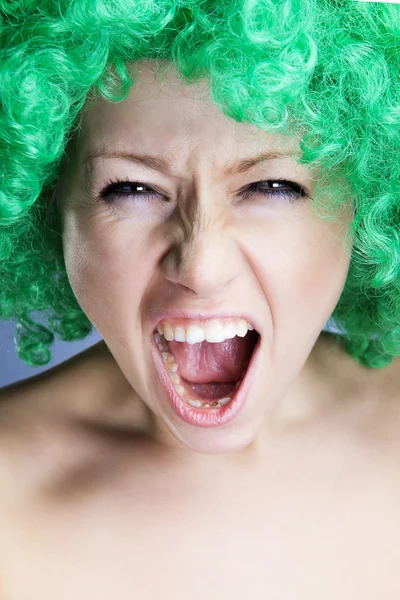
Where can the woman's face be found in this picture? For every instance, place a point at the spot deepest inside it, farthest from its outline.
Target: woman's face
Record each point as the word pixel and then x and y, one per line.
pixel 202 239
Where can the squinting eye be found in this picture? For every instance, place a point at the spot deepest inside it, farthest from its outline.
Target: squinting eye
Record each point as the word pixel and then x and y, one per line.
pixel 289 189
pixel 270 188
pixel 115 189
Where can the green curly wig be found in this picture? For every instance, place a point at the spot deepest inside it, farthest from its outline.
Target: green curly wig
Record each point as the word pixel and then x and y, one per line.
pixel 326 71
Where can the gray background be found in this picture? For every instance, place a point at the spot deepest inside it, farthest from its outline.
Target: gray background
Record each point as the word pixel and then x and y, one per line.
pixel 13 369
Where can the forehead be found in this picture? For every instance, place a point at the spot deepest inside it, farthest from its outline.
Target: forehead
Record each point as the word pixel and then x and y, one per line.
pixel 163 114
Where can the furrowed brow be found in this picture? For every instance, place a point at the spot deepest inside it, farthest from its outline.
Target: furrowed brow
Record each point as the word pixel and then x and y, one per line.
pixel 163 165
pixel 244 165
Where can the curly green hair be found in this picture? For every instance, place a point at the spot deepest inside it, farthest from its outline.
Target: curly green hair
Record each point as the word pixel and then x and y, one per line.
pixel 326 71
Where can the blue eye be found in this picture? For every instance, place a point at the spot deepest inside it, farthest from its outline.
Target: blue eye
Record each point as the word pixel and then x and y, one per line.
pixel 270 188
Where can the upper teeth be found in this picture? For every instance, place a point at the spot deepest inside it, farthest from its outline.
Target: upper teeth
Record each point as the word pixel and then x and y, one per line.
pixel 214 331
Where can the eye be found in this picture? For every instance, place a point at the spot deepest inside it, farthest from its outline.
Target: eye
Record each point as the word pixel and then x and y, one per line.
pixel 126 189
pixel 270 188
pixel 278 188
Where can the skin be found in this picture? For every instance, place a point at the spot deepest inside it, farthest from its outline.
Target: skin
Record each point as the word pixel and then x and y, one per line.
pixel 103 491
pixel 200 250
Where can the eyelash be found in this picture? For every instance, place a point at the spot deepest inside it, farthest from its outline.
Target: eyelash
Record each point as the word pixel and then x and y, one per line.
pixel 295 193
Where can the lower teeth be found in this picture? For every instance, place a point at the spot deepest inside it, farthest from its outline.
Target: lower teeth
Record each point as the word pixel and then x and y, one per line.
pixel 172 370
pixel 199 404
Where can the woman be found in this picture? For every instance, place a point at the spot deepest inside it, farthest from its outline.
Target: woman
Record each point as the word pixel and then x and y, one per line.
pixel 206 183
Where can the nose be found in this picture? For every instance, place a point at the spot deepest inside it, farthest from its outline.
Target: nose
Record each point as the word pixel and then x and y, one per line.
pixel 206 263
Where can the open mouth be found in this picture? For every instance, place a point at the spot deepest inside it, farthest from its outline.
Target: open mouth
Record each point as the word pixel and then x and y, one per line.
pixel 206 374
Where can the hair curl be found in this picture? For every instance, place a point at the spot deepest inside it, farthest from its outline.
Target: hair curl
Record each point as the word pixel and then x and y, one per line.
pixel 327 71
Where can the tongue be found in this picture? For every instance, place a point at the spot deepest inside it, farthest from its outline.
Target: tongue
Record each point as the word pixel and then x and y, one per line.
pixel 207 362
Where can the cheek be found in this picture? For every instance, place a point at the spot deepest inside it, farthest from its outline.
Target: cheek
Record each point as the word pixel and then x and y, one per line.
pixel 105 266
pixel 302 268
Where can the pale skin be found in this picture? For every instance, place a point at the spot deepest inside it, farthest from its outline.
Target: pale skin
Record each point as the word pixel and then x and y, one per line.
pixel 104 491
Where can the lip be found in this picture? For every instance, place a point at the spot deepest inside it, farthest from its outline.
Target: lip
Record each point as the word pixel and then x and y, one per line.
pixel 191 314
pixel 201 417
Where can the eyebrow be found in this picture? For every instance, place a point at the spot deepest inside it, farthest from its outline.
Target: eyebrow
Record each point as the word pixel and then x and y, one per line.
pixel 163 165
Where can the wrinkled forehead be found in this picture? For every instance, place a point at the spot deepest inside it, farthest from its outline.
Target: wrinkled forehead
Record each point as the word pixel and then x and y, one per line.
pixel 164 114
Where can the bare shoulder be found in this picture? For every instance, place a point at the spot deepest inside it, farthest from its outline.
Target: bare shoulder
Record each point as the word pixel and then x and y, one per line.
pixel 59 421
pixel 365 401
pixel 74 385
pixel 48 389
